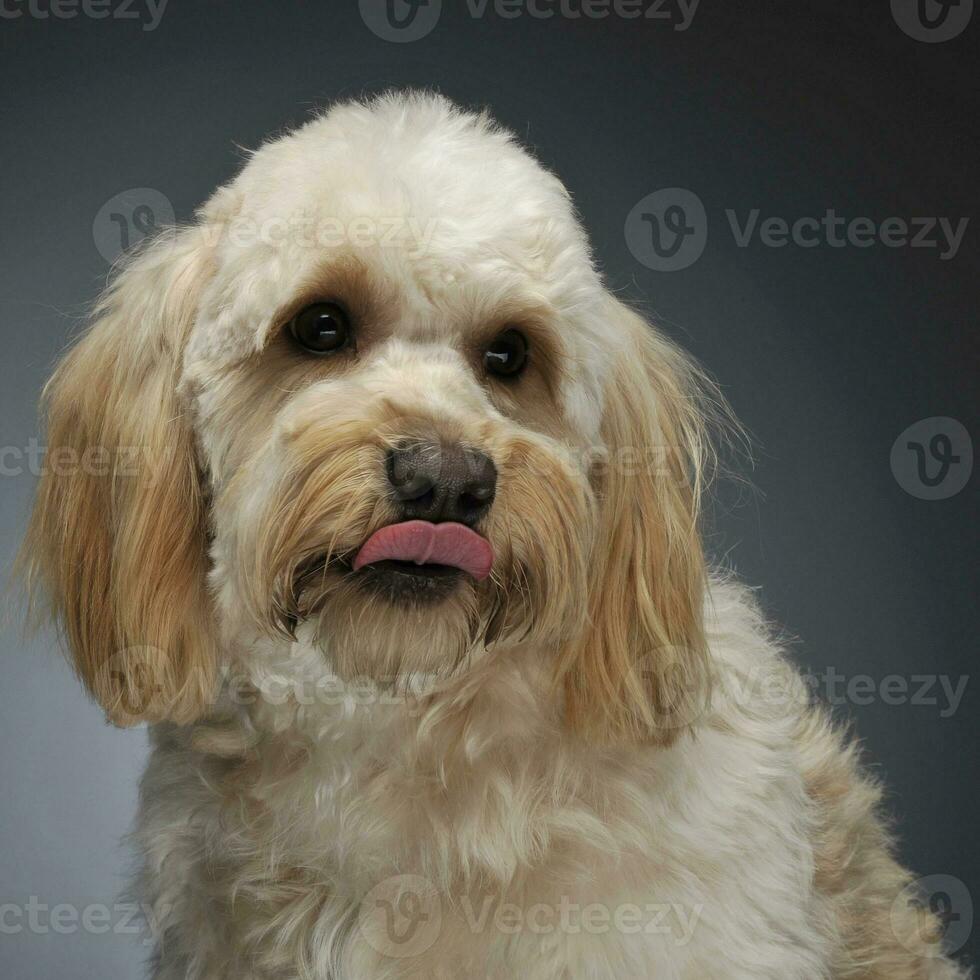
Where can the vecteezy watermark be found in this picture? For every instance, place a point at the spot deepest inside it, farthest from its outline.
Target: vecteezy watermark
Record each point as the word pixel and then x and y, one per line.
pixel 99 461
pixel 836 231
pixel 109 462
pixel 411 20
pixel 129 217
pixel 328 689
pixel 400 21
pixel 940 691
pixel 678 13
pixel 401 917
pixel 933 458
pixel 779 686
pixel 949 900
pixel 302 230
pixel 932 21
pixel 149 13
pixel 66 919
pixel 667 230
pixel 573 918
pixel 135 673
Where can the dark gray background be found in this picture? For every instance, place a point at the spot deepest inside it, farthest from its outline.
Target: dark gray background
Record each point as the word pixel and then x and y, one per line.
pixel 827 354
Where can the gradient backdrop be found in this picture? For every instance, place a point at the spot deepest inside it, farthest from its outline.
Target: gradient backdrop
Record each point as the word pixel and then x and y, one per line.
pixel 687 121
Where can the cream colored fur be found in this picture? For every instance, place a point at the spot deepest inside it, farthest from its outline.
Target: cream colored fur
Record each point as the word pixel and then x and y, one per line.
pixel 571 770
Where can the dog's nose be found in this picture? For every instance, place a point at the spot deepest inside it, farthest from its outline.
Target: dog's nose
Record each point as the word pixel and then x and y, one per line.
pixel 442 482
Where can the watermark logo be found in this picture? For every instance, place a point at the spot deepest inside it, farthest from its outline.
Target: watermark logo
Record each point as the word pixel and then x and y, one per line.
pixel 401 917
pixel 36 459
pixel 950 903
pixel 149 13
pixel 304 230
pixel 667 230
pixel 777 685
pixel 672 920
pixel 664 678
pixel 678 13
pixel 400 21
pixel 129 217
pixel 134 674
pixel 38 918
pixel 933 458
pixel 837 231
pixel 410 20
pixel 932 21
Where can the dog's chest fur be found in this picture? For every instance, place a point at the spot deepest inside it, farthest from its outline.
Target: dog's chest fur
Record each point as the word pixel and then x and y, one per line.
pixel 286 848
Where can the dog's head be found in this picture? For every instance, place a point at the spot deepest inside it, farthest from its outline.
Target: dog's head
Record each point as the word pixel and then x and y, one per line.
pixel 378 393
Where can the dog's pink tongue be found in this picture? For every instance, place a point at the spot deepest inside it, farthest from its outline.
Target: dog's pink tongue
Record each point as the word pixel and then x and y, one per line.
pixel 425 543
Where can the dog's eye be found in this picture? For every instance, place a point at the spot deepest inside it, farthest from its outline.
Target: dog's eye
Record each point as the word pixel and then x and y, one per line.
pixel 322 328
pixel 507 355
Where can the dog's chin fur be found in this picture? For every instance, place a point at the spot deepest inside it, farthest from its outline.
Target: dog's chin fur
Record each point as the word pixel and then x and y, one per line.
pixel 366 633
pixel 595 763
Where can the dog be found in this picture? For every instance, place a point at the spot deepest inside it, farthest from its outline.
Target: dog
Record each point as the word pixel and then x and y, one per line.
pixel 384 514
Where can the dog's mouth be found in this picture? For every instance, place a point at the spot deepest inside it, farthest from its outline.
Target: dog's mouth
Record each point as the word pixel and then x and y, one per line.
pixel 418 561
pixel 405 582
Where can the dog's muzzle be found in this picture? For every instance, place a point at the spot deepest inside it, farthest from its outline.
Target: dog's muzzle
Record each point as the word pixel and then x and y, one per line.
pixel 441 491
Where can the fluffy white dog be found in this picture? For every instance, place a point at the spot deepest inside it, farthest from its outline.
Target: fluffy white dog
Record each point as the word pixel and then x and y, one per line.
pixel 383 512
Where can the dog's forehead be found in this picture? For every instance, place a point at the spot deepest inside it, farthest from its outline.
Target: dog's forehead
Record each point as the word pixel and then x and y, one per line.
pixel 416 172
pixel 423 195
pixel 442 211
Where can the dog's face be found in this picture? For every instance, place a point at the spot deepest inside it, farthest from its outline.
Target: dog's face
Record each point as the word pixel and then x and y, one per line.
pixel 379 394
pixel 434 369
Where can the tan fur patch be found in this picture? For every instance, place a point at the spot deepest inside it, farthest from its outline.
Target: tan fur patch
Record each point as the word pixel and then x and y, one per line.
pixel 881 937
pixel 119 549
pixel 640 669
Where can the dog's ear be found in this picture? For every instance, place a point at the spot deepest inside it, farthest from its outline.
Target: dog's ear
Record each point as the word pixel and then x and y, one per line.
pixel 640 670
pixel 117 539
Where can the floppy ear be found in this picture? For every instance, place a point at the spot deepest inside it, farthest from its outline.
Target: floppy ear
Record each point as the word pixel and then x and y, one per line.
pixel 640 670
pixel 117 539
